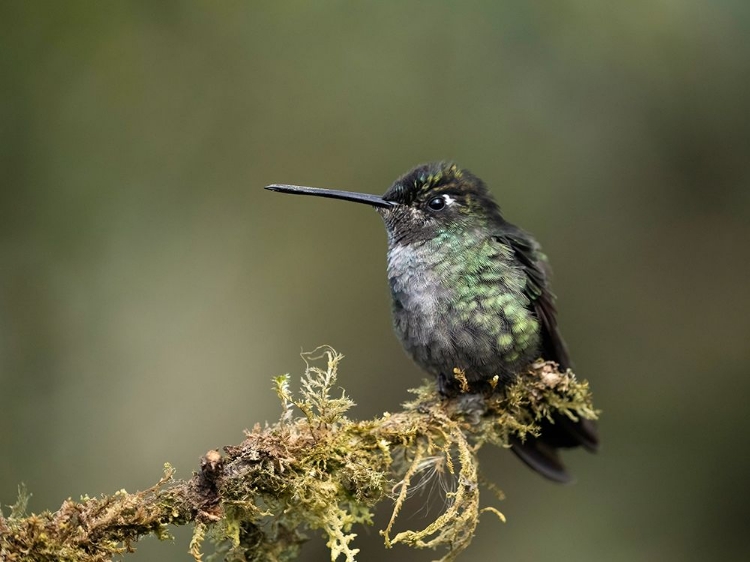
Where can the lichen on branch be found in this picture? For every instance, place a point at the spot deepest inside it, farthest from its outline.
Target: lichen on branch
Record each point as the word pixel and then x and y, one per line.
pixel 319 471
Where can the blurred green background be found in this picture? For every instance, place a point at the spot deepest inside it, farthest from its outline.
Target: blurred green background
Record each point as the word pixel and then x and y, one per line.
pixel 149 288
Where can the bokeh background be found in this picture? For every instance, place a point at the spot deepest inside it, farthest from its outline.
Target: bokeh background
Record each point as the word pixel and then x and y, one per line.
pixel 150 289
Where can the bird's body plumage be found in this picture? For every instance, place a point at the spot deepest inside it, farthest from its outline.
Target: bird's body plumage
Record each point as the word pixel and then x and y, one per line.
pixel 460 302
pixel 472 294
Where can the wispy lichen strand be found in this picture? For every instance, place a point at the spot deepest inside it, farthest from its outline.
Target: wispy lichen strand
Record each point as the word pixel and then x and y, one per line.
pixel 319 471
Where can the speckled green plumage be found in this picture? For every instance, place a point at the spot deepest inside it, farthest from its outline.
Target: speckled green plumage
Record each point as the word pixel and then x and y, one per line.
pixel 461 302
pixel 489 292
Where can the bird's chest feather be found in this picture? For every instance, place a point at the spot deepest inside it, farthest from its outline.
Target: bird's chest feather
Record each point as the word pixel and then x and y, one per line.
pixel 421 296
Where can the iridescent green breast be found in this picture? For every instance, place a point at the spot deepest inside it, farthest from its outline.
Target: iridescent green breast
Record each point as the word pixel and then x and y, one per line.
pixel 459 302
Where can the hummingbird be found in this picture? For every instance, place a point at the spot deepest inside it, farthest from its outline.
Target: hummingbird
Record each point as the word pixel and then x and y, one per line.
pixel 470 294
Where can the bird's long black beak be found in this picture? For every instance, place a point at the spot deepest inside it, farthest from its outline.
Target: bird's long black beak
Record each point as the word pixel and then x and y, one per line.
pixel 366 198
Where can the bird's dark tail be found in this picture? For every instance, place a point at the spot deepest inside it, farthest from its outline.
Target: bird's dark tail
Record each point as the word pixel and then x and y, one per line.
pixel 542 453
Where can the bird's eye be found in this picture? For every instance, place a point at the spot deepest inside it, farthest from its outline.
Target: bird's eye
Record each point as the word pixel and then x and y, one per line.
pixel 436 203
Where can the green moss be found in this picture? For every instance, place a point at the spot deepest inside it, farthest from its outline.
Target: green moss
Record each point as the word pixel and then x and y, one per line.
pixel 315 470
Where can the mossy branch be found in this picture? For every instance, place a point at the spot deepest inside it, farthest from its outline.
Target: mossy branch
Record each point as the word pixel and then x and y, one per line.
pixel 320 471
